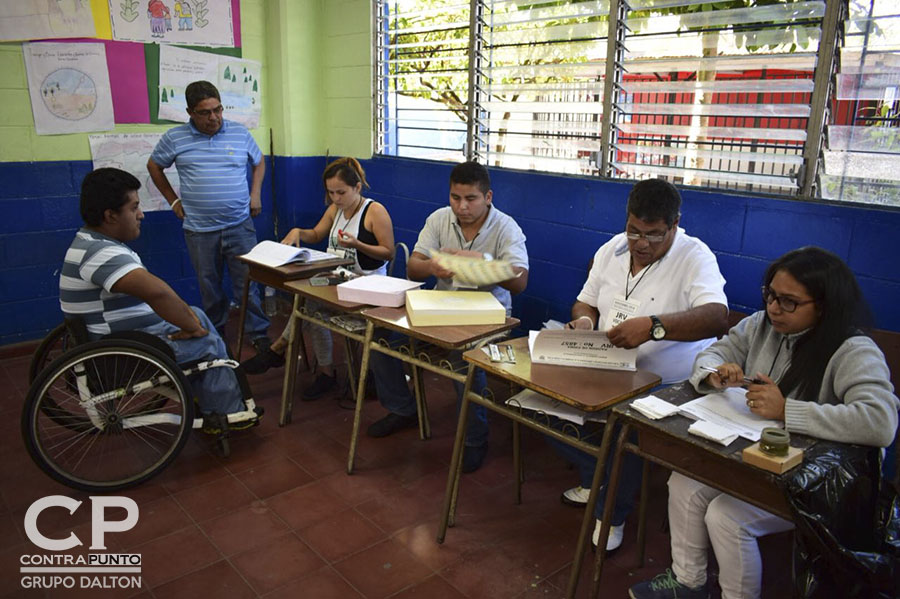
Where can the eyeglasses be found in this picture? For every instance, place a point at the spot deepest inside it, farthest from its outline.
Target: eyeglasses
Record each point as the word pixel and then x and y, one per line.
pixel 205 113
pixel 649 238
pixel 785 303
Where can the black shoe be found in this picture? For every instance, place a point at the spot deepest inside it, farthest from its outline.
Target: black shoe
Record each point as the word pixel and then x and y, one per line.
pixel 263 361
pixel 391 424
pixel 321 385
pixel 473 457
pixel 261 344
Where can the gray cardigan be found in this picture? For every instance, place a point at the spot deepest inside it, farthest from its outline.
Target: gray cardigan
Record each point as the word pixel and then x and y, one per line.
pixel 856 403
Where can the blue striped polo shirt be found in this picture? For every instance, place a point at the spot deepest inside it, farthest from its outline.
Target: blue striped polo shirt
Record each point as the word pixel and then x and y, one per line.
pixel 213 173
pixel 93 264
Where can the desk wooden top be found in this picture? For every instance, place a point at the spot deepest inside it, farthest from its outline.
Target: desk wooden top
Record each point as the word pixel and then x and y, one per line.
pixel 589 389
pixel 277 275
pixel 324 294
pixel 447 337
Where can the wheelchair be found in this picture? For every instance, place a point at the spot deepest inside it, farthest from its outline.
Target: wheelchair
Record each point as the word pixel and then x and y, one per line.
pixel 106 415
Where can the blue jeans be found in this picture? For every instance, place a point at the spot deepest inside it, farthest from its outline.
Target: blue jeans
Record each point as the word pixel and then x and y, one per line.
pixel 217 388
pixel 629 475
pixel 394 395
pixel 209 252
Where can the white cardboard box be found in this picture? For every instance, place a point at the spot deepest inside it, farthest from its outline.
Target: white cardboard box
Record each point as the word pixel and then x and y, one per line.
pixel 426 307
pixel 376 290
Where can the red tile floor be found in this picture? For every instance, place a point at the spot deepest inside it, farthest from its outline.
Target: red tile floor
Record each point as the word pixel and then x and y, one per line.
pixel 281 518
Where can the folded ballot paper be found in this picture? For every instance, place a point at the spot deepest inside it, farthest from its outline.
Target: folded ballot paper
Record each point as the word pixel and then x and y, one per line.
pixel 713 432
pixel 653 407
pixel 474 271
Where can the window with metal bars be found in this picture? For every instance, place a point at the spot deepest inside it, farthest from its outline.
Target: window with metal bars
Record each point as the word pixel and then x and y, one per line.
pixel 861 156
pixel 711 94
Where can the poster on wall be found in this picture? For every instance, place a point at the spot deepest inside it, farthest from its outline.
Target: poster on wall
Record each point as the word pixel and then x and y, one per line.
pixel 130 152
pixel 190 22
pixel 69 87
pixel 39 19
pixel 237 80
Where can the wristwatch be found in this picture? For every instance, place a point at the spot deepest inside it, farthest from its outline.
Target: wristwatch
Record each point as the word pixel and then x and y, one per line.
pixel 487 257
pixel 657 330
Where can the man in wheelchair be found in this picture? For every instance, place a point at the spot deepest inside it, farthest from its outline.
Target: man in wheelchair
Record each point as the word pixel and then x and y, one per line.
pixel 104 283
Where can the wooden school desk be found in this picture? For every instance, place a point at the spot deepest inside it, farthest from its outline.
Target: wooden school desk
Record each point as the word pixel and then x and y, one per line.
pixel 326 297
pixel 425 348
pixel 277 277
pixel 589 389
pixel 666 442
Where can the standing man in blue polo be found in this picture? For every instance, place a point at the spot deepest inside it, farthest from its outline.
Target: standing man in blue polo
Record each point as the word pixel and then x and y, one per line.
pixel 216 205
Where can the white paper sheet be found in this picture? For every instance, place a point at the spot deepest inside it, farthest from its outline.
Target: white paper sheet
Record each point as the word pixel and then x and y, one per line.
pixel 653 407
pixel 271 253
pixel 188 22
pixel 728 408
pixel 713 432
pixel 40 19
pixel 236 79
pixel 474 271
pixel 129 152
pixel 69 87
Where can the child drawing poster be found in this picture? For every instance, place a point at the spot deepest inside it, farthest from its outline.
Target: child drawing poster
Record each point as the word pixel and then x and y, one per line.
pixel 40 19
pixel 236 79
pixel 189 22
pixel 130 152
pixel 69 87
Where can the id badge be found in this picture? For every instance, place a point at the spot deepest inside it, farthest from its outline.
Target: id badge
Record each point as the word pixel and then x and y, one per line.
pixel 622 309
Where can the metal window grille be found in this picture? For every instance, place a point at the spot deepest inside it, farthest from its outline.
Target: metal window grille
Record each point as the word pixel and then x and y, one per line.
pixel 732 94
pixel 861 154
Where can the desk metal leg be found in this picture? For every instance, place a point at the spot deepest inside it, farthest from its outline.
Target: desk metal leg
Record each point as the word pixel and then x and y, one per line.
pixel 419 393
pixel 642 513
pixel 360 392
pixel 609 505
pixel 517 460
pixel 290 367
pixel 351 365
pixel 448 515
pixel 242 315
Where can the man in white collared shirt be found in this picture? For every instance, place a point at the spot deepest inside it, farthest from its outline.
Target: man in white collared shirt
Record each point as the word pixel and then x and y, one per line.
pixel 656 289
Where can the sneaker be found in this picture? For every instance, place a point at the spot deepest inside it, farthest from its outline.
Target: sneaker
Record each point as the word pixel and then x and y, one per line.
pixel 263 361
pixel 664 586
pixel 576 496
pixel 616 533
pixel 320 386
pixel 473 457
pixel 215 423
pixel 391 424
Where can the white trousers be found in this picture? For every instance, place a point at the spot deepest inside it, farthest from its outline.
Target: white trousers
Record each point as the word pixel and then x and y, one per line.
pixel 699 516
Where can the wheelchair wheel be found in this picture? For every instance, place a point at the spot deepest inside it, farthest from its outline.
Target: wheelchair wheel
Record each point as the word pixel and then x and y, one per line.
pixel 107 415
pixel 56 343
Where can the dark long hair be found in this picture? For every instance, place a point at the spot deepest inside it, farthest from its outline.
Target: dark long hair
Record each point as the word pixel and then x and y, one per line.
pixel 348 170
pixel 843 312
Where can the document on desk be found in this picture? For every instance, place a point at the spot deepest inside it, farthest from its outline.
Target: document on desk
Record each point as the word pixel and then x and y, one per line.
pixel 728 409
pixel 573 347
pixel 538 402
pixel 475 271
pixel 271 253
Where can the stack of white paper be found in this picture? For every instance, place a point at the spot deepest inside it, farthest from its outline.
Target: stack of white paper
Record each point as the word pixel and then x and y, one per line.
pixel 728 409
pixel 376 290
pixel 653 407
pixel 532 400
pixel 713 432
pixel 474 271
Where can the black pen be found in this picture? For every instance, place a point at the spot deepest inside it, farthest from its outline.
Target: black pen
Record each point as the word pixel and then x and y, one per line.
pixel 747 379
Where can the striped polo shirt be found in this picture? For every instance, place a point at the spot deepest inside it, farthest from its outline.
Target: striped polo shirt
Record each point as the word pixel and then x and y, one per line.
pixel 93 264
pixel 213 173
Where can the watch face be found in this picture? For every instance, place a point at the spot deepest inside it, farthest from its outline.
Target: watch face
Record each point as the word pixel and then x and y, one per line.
pixel 658 332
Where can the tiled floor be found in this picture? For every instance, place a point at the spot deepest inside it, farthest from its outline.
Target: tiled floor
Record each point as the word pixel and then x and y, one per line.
pixel 281 518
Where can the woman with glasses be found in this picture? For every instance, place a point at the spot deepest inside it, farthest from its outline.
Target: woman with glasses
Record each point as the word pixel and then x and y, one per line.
pixel 817 372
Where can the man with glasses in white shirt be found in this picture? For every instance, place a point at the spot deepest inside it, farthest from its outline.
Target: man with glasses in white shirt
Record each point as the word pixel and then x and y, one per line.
pixel 657 289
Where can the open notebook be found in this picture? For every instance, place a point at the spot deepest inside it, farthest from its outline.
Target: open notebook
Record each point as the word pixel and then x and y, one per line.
pixel 270 253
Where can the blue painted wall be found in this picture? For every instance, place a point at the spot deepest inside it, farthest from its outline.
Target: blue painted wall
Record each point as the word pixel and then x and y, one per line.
pixel 565 219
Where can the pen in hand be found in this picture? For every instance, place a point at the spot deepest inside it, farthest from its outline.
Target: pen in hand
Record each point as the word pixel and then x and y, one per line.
pixel 747 379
